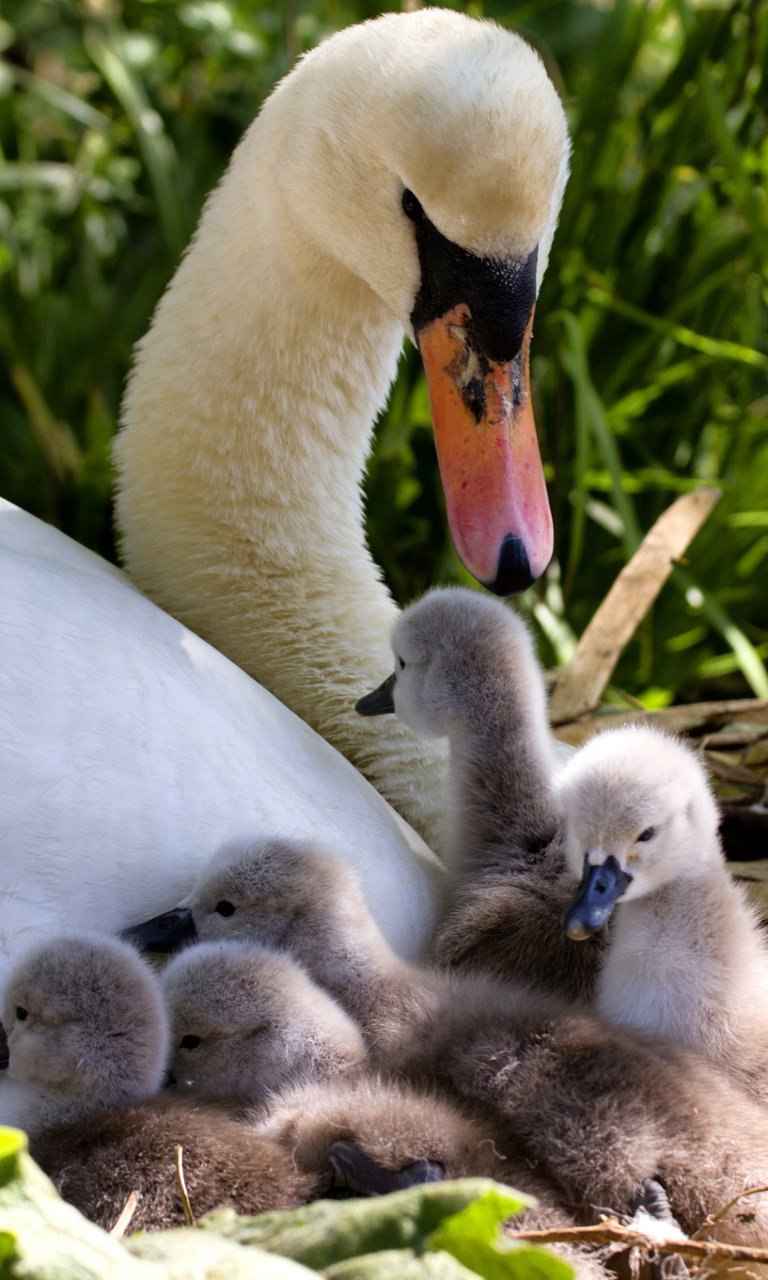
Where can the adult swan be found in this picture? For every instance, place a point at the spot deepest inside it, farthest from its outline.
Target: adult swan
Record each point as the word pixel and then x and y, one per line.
pixel 407 175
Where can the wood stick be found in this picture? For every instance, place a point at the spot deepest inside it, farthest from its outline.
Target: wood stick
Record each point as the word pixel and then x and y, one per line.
pixel 579 686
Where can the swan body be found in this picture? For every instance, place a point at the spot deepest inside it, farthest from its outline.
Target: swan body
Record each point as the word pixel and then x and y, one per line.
pixel 686 957
pixel 131 749
pixel 596 1108
pixel 405 177
pixel 466 670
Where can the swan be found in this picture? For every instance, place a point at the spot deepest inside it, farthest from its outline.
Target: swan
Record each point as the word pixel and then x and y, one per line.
pixel 86 1029
pixel 405 177
pixel 597 1109
pixel 247 1021
pixel 686 956
pixel 465 669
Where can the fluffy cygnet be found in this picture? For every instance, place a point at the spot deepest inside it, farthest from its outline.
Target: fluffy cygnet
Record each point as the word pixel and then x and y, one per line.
pixel 96 1164
pixel 86 1031
pixel 384 1131
pixel 465 669
pixel 686 958
pixel 247 1021
pixel 598 1110
pixel 88 1042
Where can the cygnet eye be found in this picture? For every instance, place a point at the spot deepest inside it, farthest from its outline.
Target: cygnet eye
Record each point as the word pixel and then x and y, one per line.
pixel 411 207
pixel 224 908
pixel 21 1013
pixel 648 834
pixel 190 1042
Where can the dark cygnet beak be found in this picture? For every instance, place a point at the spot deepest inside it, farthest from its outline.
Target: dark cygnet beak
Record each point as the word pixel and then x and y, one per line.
pixel 380 702
pixel 164 933
pixel 600 889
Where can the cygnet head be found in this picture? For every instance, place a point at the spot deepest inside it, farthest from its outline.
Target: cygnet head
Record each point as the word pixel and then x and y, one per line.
pixel 455 651
pixel 637 813
pixel 85 1021
pixel 272 892
pixel 246 1021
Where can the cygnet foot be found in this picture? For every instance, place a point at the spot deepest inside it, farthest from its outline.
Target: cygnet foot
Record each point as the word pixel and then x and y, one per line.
pixel 653 1199
pixel 649 1207
pixel 354 1173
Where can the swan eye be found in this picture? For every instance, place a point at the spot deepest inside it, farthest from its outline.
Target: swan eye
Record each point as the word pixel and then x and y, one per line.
pixel 411 207
pixel 21 1013
pixel 190 1042
pixel 401 664
pixel 646 835
pixel 225 908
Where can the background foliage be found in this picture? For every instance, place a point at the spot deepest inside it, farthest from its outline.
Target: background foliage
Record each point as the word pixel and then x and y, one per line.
pixel 651 362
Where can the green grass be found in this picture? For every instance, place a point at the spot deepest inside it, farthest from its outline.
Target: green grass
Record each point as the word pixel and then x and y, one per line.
pixel 650 359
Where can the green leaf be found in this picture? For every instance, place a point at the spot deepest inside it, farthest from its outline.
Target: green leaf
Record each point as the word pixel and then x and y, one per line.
pixel 329 1231
pixel 189 1254
pixel 400 1264
pixel 474 1237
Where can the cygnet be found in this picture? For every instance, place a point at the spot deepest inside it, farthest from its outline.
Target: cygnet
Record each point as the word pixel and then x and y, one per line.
pixel 246 1021
pixel 465 669
pixel 687 958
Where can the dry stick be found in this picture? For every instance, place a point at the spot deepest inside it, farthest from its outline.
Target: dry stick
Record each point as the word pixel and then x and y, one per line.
pixel 712 1218
pixel 612 1232
pixel 578 686
pixel 684 719
pixel 186 1206
pixel 124 1221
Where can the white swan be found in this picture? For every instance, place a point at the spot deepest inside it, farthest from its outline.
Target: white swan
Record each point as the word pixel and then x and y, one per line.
pixel 406 176
pixel 130 749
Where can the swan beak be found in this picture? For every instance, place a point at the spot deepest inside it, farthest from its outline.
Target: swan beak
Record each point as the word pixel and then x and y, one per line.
pixel 600 889
pixel 164 933
pixel 380 702
pixel 490 465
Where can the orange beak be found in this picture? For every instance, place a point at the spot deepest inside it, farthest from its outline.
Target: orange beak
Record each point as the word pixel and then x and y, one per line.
pixel 485 435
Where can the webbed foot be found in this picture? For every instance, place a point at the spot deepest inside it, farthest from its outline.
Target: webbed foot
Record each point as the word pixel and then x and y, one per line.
pixel 354 1173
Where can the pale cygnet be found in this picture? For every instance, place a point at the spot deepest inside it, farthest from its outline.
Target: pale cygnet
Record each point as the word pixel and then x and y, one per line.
pixel 687 958
pixel 86 1029
pixel 598 1110
pixel 465 669
pixel 246 1021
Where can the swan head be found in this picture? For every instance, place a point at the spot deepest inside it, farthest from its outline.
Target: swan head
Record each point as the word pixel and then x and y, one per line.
pixel 85 1022
pixel 247 1020
pixel 452 652
pixel 431 162
pixel 637 813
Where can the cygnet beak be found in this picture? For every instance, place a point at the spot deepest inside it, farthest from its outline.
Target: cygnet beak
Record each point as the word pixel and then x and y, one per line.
pixel 165 933
pixel 600 889
pixel 380 702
